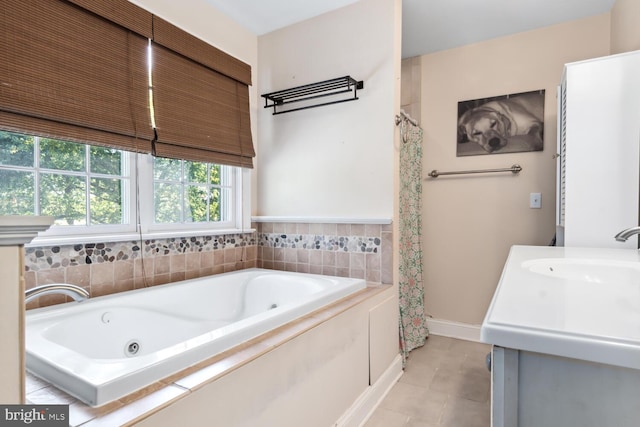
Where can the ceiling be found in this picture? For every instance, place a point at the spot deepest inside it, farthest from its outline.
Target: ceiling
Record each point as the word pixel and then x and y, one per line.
pixel 428 25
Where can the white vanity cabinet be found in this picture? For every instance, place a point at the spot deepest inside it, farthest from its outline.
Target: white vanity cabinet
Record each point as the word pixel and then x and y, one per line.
pixel 565 328
pixel 532 389
pixel 599 146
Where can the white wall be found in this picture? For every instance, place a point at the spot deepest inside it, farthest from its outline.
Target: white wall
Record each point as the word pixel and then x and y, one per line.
pixel 337 160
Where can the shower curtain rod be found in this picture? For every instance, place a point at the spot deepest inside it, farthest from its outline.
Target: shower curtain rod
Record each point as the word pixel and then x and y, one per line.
pixel 514 169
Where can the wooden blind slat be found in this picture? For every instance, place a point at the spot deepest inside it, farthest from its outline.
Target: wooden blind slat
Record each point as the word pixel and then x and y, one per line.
pixel 73 75
pixel 180 152
pixel 121 12
pixel 198 110
pixel 179 41
pixel 48 129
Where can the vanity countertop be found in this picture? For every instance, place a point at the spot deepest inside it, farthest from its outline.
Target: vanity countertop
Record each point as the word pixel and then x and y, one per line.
pixel 581 303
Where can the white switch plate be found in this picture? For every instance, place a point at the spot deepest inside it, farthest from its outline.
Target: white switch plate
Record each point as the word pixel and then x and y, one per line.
pixel 535 200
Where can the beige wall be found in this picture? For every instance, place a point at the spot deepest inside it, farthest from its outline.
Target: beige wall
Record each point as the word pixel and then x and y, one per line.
pixel 470 222
pixel 625 30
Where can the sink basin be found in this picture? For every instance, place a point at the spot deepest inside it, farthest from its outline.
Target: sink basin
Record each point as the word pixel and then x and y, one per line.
pixel 580 303
pixel 605 271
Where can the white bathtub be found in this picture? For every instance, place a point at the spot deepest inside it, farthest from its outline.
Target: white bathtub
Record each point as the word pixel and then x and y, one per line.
pixel 104 348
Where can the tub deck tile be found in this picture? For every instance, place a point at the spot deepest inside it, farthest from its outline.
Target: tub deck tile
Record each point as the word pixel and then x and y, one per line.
pixel 80 413
pixel 41 392
pixel 133 412
pixel 34 383
pixel 206 373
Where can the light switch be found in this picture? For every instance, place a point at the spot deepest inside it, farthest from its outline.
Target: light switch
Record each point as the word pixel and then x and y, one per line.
pixel 535 200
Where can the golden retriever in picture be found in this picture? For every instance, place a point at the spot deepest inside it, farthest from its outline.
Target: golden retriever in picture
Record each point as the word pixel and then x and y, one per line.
pixel 497 123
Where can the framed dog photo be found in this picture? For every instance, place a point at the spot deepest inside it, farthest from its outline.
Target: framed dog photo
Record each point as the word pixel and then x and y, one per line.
pixel 501 124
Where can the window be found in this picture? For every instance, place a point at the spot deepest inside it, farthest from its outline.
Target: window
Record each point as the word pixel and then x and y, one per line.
pixel 186 192
pixel 76 184
pixel 92 190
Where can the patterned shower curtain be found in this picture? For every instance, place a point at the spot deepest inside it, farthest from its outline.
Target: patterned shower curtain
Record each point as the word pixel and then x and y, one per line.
pixel 413 326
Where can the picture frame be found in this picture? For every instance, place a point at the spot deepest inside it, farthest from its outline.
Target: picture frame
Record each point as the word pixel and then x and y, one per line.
pixel 501 124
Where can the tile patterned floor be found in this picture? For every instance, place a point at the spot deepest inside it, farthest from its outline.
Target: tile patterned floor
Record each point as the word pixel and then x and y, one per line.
pixel 445 383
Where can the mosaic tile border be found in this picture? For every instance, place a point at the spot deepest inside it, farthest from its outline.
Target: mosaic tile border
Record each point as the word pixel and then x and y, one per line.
pixel 48 257
pixel 360 244
pixel 358 251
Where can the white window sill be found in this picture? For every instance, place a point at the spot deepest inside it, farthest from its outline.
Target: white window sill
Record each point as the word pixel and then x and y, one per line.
pixel 322 220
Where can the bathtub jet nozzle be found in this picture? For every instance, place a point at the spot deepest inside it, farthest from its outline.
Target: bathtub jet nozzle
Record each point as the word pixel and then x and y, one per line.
pixel 132 348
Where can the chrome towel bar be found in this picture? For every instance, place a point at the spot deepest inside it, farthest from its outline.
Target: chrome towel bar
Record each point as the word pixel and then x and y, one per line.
pixel 514 169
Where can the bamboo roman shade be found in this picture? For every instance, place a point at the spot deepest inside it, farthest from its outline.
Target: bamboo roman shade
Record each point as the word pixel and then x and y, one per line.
pixel 67 73
pixel 200 99
pixel 78 70
pixel 121 12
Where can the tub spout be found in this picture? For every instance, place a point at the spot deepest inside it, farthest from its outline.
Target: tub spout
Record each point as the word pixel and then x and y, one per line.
pixel 625 234
pixel 73 291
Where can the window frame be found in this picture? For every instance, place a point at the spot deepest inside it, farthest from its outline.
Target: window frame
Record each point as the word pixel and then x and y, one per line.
pixel 147 215
pixel 128 178
pixel 140 209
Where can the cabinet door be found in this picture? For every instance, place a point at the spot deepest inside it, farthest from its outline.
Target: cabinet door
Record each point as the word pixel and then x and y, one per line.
pixel 602 128
pixel 504 387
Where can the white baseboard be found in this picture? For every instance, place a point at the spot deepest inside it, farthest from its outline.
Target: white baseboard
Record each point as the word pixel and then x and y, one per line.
pixel 369 400
pixel 447 328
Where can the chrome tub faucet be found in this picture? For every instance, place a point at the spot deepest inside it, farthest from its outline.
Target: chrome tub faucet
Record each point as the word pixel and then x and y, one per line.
pixel 73 291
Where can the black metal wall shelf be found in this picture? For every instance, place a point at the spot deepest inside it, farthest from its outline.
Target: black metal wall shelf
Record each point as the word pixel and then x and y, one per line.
pixel 336 88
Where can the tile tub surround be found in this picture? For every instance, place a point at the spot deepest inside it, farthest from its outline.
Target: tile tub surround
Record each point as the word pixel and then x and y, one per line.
pixel 362 251
pixel 110 267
